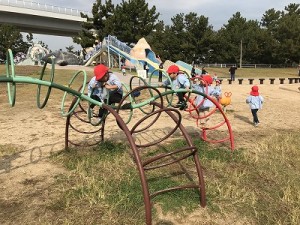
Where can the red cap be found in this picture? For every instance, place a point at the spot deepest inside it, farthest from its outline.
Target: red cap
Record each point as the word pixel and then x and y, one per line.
pixel 254 91
pixel 173 69
pixel 208 79
pixel 100 71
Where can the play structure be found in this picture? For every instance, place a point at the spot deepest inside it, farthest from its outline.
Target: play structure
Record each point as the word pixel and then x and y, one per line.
pixel 149 105
pixel 136 57
pixel 34 55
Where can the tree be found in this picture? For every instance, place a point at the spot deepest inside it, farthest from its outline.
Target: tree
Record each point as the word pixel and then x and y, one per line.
pixel 11 38
pixel 288 35
pixel 284 28
pixel 133 20
pixel 70 49
pixel 98 26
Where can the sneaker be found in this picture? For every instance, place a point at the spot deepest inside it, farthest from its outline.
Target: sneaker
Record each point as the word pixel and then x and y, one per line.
pixel 183 106
pixel 180 105
pixel 255 124
pixel 126 106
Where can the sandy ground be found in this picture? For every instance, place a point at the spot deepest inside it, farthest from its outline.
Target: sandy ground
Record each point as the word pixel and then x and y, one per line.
pixel 39 132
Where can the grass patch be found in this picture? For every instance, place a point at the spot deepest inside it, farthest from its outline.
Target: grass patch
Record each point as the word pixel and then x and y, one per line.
pixel 8 150
pixel 261 184
pixel 255 186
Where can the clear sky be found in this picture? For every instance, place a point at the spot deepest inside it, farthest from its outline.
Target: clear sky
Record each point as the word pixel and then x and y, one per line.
pixel 217 11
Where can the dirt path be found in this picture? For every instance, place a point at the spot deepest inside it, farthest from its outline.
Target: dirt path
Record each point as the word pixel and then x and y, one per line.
pixel 25 176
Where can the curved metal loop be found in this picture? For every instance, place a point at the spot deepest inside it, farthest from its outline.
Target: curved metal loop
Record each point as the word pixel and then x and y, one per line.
pixel 128 89
pixel 39 105
pixel 137 92
pixel 10 73
pixel 163 72
pixel 140 79
pixel 63 113
pixel 141 104
pixel 156 115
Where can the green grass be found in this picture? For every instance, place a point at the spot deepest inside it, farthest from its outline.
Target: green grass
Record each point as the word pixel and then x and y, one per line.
pixel 8 150
pixel 259 185
pixel 221 72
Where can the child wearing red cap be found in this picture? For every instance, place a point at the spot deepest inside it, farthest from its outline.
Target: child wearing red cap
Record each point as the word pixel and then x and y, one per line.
pixel 206 88
pixel 179 81
pixel 255 101
pixel 104 85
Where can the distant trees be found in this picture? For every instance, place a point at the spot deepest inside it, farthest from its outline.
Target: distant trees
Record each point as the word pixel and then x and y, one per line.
pixel 275 39
pixel 11 38
pixel 70 49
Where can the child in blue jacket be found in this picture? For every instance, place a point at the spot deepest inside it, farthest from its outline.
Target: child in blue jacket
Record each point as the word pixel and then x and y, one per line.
pixel 255 101
pixel 179 80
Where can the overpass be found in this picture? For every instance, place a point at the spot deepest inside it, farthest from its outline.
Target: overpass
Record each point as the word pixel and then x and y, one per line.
pixel 38 18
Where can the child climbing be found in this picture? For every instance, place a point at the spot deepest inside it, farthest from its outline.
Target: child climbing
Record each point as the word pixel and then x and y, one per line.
pixel 105 87
pixel 203 104
pixel 179 81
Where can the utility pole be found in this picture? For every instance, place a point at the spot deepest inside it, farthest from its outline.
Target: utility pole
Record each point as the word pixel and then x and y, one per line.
pixel 241 53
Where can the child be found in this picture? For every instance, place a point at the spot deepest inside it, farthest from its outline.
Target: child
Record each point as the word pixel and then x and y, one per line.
pixel 218 90
pixel 123 71
pixel 179 81
pixel 204 105
pixel 104 85
pixel 255 102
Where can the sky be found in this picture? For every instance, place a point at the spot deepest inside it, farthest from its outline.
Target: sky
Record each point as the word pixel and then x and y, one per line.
pixel 217 11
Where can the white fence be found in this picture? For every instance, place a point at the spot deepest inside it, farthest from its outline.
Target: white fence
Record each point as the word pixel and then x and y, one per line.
pixel 43 7
pixel 227 65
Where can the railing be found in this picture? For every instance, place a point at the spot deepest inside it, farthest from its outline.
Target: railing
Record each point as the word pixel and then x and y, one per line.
pixel 43 7
pixel 227 65
pixel 112 40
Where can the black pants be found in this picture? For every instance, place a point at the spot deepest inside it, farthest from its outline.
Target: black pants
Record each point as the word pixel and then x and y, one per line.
pixel 159 76
pixel 232 76
pixel 254 114
pixel 181 96
pixel 114 97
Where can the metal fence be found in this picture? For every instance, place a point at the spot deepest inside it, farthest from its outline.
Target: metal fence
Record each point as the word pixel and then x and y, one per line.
pixel 43 7
pixel 227 65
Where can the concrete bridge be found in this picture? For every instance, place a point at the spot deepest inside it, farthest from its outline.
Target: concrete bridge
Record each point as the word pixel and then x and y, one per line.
pixel 38 18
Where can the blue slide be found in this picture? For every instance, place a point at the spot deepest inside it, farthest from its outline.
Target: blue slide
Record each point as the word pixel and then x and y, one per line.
pixel 152 62
pixel 188 67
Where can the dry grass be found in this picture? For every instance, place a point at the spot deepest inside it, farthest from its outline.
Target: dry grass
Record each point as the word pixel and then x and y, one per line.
pixel 252 186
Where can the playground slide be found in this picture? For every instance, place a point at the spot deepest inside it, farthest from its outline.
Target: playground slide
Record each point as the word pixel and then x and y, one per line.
pixel 153 64
pixel 93 57
pixel 187 67
pixel 151 59
pixel 152 56
pixel 123 54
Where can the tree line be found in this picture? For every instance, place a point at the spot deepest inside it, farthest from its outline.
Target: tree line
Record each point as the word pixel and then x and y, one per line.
pixel 275 39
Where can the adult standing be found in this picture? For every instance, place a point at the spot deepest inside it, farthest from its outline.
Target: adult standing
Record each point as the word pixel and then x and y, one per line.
pixel 193 71
pixel 146 67
pixel 161 67
pixel 232 70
